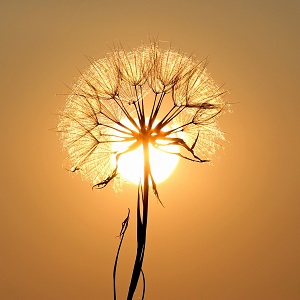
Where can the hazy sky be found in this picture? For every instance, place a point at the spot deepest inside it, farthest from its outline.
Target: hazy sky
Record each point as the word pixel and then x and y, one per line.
pixel 229 230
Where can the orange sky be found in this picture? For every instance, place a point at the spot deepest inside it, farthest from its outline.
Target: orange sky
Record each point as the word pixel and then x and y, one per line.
pixel 229 230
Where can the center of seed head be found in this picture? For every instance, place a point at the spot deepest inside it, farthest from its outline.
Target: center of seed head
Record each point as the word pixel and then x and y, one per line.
pixel 146 136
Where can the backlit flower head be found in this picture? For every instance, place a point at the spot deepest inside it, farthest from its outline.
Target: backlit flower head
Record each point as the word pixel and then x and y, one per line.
pixel 149 94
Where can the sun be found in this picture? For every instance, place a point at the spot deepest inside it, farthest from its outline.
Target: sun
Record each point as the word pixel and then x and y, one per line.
pixel 162 162
pixel 131 165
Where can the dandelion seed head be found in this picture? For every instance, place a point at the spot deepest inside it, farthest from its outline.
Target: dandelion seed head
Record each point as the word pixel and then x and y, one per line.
pixel 118 87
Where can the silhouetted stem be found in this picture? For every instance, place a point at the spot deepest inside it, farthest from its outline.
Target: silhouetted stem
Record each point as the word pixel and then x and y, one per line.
pixel 141 225
pixel 144 284
pixel 122 234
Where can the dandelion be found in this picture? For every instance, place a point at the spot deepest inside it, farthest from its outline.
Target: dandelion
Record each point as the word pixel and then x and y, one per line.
pixel 146 97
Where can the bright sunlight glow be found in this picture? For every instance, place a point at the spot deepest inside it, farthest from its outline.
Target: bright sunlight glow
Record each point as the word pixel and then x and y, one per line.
pixel 131 164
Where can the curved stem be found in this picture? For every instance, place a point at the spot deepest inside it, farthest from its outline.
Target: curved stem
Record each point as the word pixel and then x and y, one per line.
pixel 144 284
pixel 121 235
pixel 141 225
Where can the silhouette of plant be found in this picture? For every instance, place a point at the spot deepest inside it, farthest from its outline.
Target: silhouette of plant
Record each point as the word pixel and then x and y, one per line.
pixel 118 90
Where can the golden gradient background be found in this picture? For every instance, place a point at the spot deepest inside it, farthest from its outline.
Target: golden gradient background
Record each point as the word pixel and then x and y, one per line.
pixel 230 231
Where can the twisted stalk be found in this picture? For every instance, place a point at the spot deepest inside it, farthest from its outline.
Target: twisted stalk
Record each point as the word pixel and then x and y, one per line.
pixel 121 236
pixel 141 224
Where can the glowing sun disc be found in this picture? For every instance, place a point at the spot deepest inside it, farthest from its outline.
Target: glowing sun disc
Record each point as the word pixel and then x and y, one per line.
pixel 131 165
